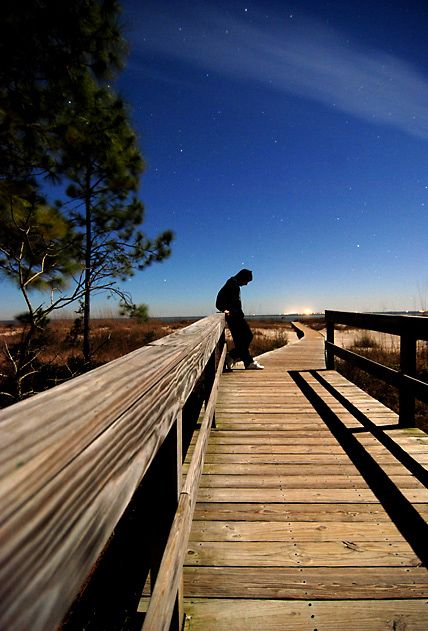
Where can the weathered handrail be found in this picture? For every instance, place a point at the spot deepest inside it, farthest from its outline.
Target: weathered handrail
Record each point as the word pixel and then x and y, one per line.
pixel 73 457
pixel 409 329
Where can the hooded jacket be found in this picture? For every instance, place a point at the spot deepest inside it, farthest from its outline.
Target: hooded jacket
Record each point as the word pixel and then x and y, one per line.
pixel 229 298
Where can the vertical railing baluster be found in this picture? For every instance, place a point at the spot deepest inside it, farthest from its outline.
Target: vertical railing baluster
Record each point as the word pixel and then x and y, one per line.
pixel 329 360
pixel 168 477
pixel 407 367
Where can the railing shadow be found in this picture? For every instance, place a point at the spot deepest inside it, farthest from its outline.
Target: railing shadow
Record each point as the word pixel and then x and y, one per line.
pixel 414 467
pixel 404 515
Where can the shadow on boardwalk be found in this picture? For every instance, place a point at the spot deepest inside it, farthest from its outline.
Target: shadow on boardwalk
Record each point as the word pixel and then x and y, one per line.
pixel 312 508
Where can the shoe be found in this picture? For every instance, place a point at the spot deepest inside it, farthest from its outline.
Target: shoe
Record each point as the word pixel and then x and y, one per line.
pixel 228 362
pixel 254 366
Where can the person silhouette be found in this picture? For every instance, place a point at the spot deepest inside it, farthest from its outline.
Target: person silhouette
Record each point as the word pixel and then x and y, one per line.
pixel 229 302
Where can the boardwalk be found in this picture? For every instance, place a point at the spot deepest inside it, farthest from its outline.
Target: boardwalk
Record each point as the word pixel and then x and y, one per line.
pixel 312 508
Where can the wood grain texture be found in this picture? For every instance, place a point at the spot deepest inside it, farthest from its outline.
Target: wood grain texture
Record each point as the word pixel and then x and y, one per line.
pixel 72 458
pixel 354 583
pixel 216 614
pixel 356 553
pixel 304 511
pixel 293 531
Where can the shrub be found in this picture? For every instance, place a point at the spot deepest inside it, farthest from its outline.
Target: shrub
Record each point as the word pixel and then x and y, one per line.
pixel 365 341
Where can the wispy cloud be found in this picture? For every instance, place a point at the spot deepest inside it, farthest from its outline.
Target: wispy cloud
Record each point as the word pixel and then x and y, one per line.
pixel 297 57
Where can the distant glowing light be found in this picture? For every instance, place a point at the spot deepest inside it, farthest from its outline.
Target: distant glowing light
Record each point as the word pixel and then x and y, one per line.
pixel 307 311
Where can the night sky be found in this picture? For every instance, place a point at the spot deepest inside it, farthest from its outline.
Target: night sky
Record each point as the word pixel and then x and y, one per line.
pixel 290 138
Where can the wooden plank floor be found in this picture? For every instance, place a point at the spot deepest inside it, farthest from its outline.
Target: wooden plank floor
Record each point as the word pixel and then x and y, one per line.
pixel 309 516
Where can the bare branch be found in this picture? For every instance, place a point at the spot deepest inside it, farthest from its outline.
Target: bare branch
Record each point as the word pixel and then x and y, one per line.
pixel 39 273
pixel 7 394
pixel 10 356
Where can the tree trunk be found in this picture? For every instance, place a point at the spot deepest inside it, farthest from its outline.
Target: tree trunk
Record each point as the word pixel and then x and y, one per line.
pixel 87 355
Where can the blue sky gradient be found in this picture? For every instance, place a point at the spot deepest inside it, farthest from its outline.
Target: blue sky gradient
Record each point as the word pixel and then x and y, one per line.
pixel 287 137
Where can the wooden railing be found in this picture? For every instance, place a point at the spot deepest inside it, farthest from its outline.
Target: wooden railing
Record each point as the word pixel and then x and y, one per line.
pixel 73 460
pixel 410 329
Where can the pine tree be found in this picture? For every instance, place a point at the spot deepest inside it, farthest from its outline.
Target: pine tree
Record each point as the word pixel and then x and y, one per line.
pixel 58 120
pixel 47 48
pixel 36 243
pixel 103 162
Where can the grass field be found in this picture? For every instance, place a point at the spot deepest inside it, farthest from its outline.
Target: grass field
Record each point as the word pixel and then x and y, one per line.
pixel 60 358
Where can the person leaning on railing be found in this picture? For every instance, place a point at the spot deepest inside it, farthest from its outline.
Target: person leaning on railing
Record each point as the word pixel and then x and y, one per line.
pixel 229 302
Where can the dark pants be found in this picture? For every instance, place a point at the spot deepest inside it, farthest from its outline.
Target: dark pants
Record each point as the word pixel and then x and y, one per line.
pixel 242 336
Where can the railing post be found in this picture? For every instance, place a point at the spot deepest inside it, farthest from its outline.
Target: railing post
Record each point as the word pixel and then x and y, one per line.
pixel 218 353
pixel 209 376
pixel 165 497
pixel 329 360
pixel 407 367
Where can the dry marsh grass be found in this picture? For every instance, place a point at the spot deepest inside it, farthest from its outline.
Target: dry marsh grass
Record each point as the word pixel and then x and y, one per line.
pixel 268 335
pixel 60 356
